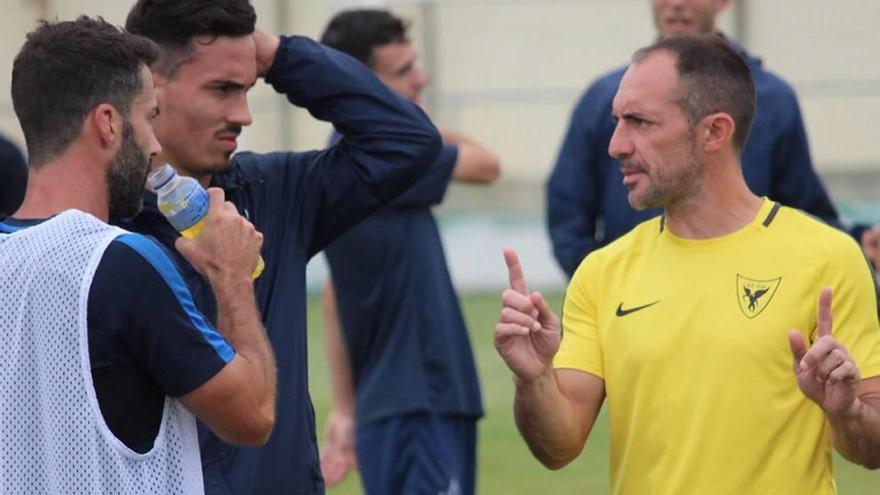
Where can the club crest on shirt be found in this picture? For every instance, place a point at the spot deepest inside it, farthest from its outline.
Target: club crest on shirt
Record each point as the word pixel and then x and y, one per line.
pixel 754 295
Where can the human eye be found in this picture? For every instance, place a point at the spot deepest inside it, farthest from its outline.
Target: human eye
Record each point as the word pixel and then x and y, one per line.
pixel 638 121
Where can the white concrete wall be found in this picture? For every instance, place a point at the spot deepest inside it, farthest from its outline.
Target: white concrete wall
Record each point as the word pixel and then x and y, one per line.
pixel 509 71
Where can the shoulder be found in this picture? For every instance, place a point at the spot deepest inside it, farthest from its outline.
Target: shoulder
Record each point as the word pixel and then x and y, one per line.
pixel 137 257
pixel 252 167
pixel 130 247
pixel 627 247
pixel 803 229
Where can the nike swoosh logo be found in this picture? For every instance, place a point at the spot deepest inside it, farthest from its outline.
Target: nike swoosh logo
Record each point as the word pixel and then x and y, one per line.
pixel 624 312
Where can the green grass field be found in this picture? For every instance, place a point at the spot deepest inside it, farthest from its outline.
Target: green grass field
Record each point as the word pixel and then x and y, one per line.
pixel 505 465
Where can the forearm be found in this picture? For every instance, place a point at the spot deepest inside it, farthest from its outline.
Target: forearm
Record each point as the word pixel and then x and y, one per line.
pixel 337 355
pixel 335 88
pixel 238 320
pixel 857 434
pixel 547 421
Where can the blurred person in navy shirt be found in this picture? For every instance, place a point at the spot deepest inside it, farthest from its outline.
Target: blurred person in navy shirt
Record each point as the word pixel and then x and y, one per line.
pixel 406 393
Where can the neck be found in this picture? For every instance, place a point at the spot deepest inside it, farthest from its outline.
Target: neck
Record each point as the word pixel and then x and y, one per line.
pixel 723 205
pixel 69 182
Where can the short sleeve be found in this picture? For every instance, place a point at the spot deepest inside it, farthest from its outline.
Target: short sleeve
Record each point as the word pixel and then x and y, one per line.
pixel 581 347
pixel 141 312
pixel 853 307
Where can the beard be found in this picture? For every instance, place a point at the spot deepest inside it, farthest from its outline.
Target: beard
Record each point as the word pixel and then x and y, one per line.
pixel 671 187
pixel 127 177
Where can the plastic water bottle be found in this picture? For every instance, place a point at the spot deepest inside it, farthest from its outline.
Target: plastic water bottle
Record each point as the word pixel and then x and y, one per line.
pixel 184 202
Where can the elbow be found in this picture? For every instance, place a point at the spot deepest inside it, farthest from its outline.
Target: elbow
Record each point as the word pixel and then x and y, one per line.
pixel 254 430
pixel 553 457
pixel 554 463
pixel 491 169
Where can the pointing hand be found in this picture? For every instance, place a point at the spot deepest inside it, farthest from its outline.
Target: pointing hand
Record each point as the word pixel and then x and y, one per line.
pixel 527 335
pixel 826 373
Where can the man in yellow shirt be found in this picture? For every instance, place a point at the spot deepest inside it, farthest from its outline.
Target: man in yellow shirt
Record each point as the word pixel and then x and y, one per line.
pixel 685 323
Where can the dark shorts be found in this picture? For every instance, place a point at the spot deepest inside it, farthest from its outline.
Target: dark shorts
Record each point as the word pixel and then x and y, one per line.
pixel 418 454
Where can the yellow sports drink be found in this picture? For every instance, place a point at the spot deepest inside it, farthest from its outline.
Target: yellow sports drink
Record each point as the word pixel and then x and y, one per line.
pixel 184 202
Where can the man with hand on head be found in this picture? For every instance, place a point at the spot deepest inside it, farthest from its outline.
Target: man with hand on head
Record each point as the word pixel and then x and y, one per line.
pixel 709 390
pixel 405 387
pixel 587 208
pixel 210 56
pixel 106 357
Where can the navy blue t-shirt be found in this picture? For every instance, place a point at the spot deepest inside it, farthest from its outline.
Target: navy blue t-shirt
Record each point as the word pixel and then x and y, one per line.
pixel 401 320
pixel 146 338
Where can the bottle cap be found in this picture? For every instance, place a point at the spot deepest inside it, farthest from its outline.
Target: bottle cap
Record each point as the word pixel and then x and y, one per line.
pixel 161 176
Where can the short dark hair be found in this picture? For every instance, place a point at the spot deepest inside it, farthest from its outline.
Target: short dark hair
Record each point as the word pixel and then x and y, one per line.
pixel 173 24
pixel 66 69
pixel 713 77
pixel 357 32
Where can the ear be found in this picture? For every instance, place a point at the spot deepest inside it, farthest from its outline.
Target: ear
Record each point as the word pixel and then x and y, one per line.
pixel 107 122
pixel 717 129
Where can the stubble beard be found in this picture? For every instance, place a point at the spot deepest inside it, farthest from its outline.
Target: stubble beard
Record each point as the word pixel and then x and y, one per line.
pixel 670 190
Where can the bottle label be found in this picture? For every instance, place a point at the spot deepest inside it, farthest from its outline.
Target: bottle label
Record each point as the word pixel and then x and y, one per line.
pixel 189 211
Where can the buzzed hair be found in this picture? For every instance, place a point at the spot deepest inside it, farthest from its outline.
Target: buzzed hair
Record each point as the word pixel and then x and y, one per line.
pixel 713 77
pixel 173 24
pixel 66 69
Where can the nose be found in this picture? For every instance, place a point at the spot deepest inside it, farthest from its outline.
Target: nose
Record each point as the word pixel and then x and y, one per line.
pixel 154 146
pixel 620 146
pixel 240 113
pixel 422 78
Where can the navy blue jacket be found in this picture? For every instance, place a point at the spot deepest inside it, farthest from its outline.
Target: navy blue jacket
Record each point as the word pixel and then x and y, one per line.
pixel 587 205
pixel 301 202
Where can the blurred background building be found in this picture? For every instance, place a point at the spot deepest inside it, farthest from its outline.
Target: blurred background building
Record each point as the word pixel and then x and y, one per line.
pixel 508 72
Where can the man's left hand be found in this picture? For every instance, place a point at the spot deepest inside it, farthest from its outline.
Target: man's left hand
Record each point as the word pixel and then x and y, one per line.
pixel 826 373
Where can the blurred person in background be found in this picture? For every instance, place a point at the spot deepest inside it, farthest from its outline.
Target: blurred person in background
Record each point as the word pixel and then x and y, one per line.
pixel 211 54
pixel 709 390
pixel 587 207
pixel 406 397
pixel 105 357
pixel 13 177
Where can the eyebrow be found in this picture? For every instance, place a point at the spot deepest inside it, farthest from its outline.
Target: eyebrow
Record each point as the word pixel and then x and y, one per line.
pixel 405 68
pixel 228 83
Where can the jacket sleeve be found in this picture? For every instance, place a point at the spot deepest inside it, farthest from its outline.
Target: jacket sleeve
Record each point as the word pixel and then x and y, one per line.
pixel 573 189
pixel 387 142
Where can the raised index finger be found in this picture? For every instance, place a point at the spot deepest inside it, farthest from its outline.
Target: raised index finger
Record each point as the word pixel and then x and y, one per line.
pixel 823 323
pixel 514 272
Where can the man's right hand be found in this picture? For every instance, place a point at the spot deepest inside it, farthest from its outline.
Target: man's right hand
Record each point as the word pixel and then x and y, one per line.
pixel 267 48
pixel 338 455
pixel 227 246
pixel 527 335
